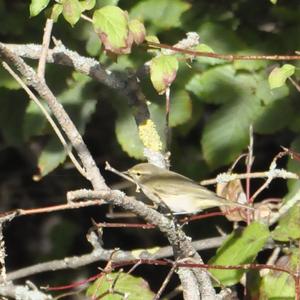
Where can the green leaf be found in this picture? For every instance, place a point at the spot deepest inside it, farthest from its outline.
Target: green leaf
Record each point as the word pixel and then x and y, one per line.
pixel 245 98
pixel 280 285
pixel 206 60
pixel 87 4
pixel 241 247
pixel 289 226
pixel 7 81
pixel 34 121
pixel 217 85
pixel 152 38
pixel 111 23
pixel 273 1
pixel 249 65
pixel 134 288
pixel 71 11
pixel 163 14
pixel 278 76
pixel 181 108
pixel 226 132
pixel 80 108
pixel 138 30
pixel 127 133
pixel 272 119
pixel 126 129
pixel 212 33
pixel 163 71
pixel 36 6
pixel 103 3
pixel 51 157
pixel 264 93
pixel 93 44
pixel 76 101
pixel 56 11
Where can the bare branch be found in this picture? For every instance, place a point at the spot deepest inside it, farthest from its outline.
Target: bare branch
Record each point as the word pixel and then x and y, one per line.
pixel 62 117
pixel 99 254
pixel 275 173
pixel 45 47
pixel 22 292
pixel 48 117
pixel 166 281
pixel 228 57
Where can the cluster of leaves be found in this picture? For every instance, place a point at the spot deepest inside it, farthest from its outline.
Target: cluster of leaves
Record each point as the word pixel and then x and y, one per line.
pixel 230 96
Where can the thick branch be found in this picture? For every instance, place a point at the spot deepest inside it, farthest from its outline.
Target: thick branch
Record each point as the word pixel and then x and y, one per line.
pixel 22 292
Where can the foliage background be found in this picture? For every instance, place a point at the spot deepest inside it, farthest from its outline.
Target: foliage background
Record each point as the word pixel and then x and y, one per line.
pixel 213 105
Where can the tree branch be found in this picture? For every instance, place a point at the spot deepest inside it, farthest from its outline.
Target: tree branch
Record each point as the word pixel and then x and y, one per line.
pixel 60 114
pixel 99 254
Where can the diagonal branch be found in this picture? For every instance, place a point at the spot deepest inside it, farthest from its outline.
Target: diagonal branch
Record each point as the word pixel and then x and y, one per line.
pixel 60 114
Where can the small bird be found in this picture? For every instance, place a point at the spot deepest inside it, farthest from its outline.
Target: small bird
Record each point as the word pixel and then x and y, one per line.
pixel 179 193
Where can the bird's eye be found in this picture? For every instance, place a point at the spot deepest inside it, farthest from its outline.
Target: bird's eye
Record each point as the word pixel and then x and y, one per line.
pixel 138 174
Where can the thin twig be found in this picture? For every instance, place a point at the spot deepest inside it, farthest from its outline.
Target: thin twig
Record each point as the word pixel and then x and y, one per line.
pixel 230 170
pixel 294 83
pixel 271 261
pixel 45 47
pixel 229 57
pixel 167 118
pixel 84 17
pixel 2 255
pixel 284 209
pixel 225 177
pixel 271 175
pixel 108 167
pixel 48 117
pixel 124 225
pixel 166 281
pixel 249 163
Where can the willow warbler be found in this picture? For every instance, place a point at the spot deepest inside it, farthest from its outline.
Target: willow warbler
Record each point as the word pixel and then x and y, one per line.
pixel 179 193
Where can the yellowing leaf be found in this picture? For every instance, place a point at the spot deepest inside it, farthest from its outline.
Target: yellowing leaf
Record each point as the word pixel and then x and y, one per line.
pixel 111 23
pixel 278 76
pixel 56 11
pixel 87 4
pixel 163 71
pixel 138 31
pixel 71 11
